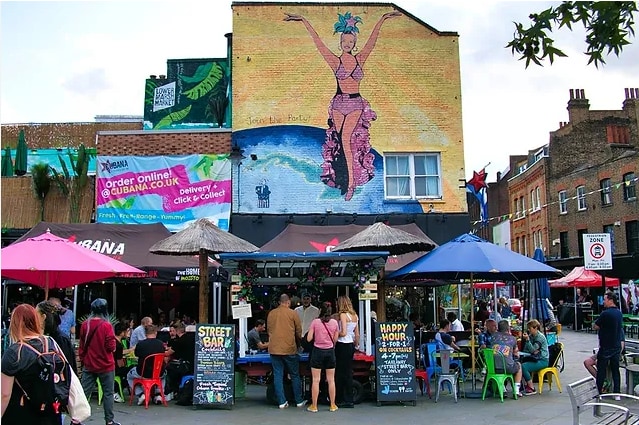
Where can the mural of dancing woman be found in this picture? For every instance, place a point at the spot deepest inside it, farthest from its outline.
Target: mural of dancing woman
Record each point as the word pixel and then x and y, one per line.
pixel 348 162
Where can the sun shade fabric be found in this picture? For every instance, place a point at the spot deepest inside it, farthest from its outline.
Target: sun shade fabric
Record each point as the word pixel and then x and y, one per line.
pixel 130 244
pixel 581 278
pixel 300 238
pixel 52 262
pixel 468 256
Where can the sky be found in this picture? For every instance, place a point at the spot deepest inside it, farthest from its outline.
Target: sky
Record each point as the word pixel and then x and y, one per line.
pixel 71 61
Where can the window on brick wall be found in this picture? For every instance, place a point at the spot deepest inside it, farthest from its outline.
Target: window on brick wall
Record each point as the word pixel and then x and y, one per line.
pixel 522 201
pixel 563 202
pixel 563 245
pixel 629 187
pixel 606 192
pixel 580 240
pixel 632 236
pixel 538 197
pixel 524 242
pixel 412 176
pixel 610 229
pixel 581 198
pixel 533 204
pixel 516 208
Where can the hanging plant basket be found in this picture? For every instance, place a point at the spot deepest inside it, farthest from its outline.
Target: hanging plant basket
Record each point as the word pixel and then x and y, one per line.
pixel 363 271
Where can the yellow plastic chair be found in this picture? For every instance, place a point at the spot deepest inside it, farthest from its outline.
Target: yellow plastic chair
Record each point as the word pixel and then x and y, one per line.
pixel 117 380
pixel 550 371
pixel 499 379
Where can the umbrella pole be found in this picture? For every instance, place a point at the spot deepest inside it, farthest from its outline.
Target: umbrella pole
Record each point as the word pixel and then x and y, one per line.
pixel 204 280
pixel 473 393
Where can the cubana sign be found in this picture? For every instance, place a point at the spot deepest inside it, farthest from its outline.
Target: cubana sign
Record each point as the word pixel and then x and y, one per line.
pixel 172 190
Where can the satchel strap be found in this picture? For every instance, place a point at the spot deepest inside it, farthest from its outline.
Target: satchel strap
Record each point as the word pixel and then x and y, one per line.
pixel 328 332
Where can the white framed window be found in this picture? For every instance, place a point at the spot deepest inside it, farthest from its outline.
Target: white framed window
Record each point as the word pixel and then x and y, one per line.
pixel 538 197
pixel 533 204
pixel 605 186
pixel 412 176
pixel 523 206
pixel 629 187
pixel 563 202
pixel 516 208
pixel 581 198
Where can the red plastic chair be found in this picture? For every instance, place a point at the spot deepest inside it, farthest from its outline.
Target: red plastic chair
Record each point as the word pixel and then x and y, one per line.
pixel 157 362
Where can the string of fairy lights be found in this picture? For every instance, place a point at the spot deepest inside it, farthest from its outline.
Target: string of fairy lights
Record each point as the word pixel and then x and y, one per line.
pixel 521 214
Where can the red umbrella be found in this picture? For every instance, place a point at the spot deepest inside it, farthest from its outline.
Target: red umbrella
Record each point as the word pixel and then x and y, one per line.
pixel 49 261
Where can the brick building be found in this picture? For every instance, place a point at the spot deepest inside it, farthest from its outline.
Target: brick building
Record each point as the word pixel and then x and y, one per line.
pixel 527 193
pixel 592 183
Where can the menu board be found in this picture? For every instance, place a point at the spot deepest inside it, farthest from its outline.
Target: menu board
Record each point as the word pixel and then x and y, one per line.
pixel 395 362
pixel 214 379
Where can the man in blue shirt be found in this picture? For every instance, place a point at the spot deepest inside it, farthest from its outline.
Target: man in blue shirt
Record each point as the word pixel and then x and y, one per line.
pixel 609 326
pixel 485 338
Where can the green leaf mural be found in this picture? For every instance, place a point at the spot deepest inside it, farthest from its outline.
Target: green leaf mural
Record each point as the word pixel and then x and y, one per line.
pixel 210 167
pixel 149 91
pixel 120 204
pixel 200 74
pixel 172 117
pixel 214 76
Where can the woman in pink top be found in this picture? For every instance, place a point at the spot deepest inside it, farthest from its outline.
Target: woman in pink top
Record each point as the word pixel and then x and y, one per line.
pixel 324 330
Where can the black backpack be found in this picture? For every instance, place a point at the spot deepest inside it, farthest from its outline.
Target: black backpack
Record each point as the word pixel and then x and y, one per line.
pixel 555 354
pixel 49 393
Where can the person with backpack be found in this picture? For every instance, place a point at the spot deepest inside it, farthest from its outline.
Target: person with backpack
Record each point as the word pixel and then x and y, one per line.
pixel 35 375
pixel 97 345
pixel 51 316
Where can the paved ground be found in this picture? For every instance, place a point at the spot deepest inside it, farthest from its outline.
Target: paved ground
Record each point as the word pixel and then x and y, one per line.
pixel 549 408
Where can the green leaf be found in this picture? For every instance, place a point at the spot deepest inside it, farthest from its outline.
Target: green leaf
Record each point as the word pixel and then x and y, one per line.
pixel 214 76
pixel 128 204
pixel 149 91
pixel 172 117
pixel 201 73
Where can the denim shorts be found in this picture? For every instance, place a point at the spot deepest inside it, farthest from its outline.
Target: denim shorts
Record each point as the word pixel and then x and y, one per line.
pixel 323 358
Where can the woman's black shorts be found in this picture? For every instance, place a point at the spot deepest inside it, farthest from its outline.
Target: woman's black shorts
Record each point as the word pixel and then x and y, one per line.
pixel 323 358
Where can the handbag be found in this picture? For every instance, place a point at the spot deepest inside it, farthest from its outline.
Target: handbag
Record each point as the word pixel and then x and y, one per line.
pixel 79 407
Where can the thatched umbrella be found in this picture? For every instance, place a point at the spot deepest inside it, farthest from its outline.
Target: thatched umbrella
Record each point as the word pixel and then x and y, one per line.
pixel 379 236
pixel 202 238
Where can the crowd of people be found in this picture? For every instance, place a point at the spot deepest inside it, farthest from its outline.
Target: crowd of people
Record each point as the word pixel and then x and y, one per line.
pixel 105 351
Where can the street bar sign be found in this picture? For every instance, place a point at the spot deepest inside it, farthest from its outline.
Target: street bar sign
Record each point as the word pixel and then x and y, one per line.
pixel 597 253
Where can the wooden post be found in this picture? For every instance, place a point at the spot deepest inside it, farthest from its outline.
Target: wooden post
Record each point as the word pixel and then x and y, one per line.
pixel 381 297
pixel 204 286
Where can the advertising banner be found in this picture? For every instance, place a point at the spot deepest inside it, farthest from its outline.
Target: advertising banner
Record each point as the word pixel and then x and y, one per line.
pixel 172 190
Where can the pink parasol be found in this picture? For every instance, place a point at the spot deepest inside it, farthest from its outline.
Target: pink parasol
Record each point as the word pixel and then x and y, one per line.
pixel 51 262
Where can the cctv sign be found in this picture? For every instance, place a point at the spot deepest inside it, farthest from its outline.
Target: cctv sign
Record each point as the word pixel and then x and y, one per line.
pixel 597 254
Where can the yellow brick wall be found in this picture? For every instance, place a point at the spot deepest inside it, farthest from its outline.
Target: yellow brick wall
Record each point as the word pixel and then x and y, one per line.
pixel 412 80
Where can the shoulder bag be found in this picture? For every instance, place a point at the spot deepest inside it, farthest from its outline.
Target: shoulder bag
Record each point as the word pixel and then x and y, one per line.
pixel 78 406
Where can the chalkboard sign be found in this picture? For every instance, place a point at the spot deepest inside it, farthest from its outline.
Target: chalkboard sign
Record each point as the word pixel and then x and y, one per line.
pixel 395 362
pixel 214 379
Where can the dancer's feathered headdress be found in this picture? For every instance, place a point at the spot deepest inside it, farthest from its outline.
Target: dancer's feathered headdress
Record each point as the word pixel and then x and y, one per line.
pixel 347 23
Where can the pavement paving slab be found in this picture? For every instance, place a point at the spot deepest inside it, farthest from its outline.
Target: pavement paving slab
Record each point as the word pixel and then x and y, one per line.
pixel 549 408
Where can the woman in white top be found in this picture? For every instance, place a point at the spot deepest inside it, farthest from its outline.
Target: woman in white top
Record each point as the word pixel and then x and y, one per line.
pixel 344 349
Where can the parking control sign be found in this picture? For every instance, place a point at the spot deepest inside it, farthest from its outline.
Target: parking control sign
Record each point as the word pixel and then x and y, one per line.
pixel 597 254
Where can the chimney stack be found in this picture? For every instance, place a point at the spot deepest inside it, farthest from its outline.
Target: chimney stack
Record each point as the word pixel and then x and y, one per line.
pixel 630 104
pixel 578 106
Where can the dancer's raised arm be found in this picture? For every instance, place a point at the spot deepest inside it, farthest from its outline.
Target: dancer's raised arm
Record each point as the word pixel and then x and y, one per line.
pixel 327 54
pixel 370 43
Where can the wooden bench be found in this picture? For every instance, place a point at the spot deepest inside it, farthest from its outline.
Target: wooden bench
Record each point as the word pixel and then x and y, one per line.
pixel 584 394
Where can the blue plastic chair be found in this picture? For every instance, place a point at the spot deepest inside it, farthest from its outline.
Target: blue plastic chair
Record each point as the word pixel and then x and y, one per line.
pixel 427 354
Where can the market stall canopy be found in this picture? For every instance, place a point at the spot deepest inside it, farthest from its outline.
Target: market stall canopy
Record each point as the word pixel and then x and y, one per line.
pixel 52 262
pixel 279 268
pixel 300 238
pixel 579 277
pixel 487 285
pixel 130 244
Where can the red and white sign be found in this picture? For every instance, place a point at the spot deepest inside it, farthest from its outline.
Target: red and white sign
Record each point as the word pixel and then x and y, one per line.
pixel 597 252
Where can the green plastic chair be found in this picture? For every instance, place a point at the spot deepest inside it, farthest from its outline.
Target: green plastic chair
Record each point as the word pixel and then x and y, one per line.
pixel 129 361
pixel 499 379
pixel 117 380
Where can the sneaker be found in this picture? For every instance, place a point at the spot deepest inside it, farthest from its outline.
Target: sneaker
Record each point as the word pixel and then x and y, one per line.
pixel 168 397
pixel 117 398
pixel 114 423
pixel 312 409
pixel 284 405
pixel 157 399
pixel 333 408
pixel 141 399
pixel 617 398
pixel 529 390
pixel 302 403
